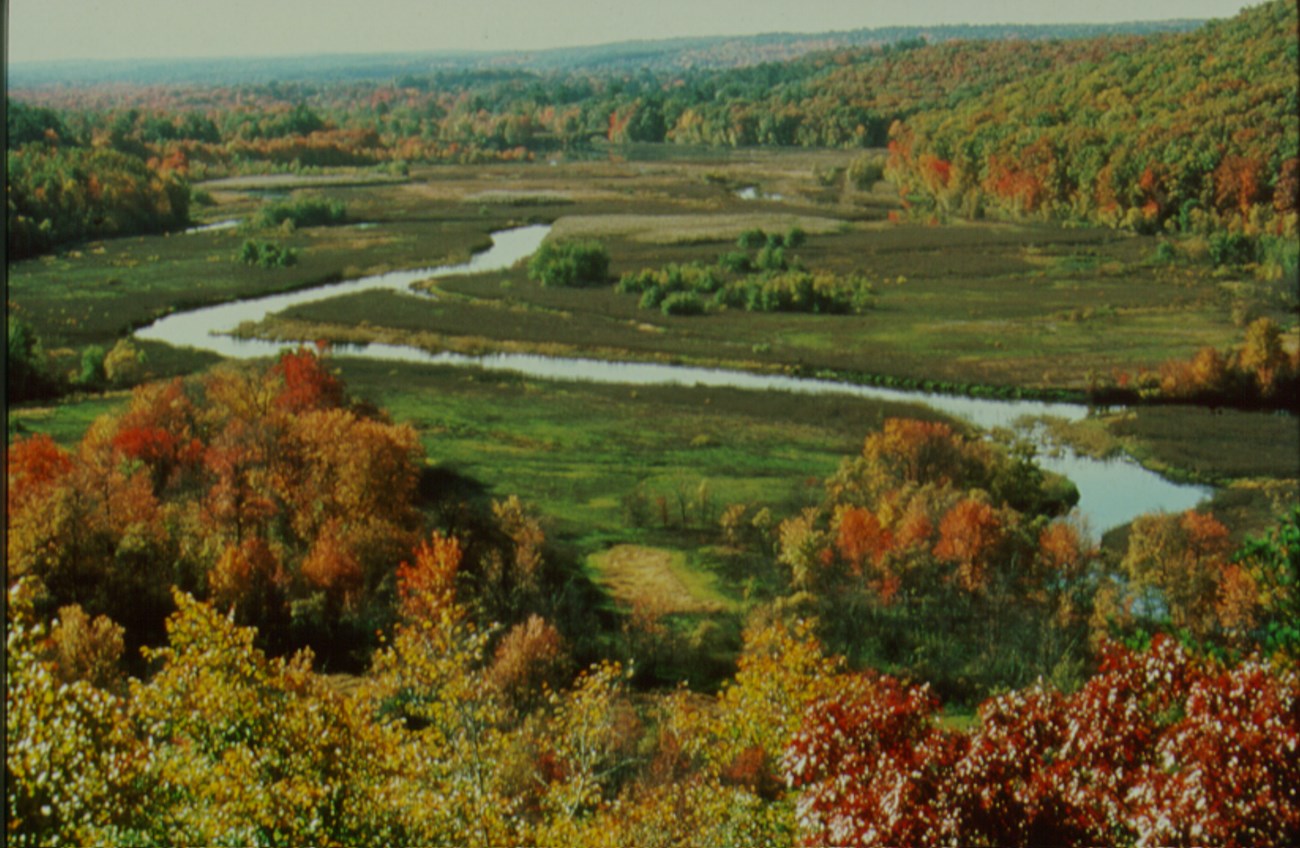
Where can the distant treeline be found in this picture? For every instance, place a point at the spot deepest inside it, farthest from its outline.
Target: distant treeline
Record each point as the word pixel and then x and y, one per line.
pixel 60 191
pixel 708 52
pixel 1196 132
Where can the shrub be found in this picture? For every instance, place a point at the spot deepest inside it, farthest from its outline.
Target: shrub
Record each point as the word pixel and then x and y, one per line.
pixel 771 258
pixel 636 281
pixel 752 239
pixel 308 212
pixel 652 297
pixel 1232 249
pixel 124 364
pixel 866 170
pixel 735 262
pixel 25 364
pixel 829 177
pixel 266 254
pixel 683 303
pixel 92 366
pixel 1165 254
pixel 694 277
pixel 570 264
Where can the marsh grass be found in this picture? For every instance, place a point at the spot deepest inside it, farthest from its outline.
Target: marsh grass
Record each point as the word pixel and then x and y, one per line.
pixel 506 197
pixel 658 579
pixel 97 294
pixel 687 228
pixel 580 449
pixel 1212 445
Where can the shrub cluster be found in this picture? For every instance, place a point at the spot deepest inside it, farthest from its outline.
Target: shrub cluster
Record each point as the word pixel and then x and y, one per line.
pixel 32 372
pixel 308 212
pixel 693 289
pixel 267 254
pixel 757 237
pixel 803 291
pixel 570 264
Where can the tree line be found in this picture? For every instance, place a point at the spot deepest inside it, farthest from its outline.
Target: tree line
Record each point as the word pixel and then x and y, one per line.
pixel 1195 132
pixel 60 191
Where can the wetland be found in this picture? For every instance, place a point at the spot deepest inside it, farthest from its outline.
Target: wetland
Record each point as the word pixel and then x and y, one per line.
pixel 428 274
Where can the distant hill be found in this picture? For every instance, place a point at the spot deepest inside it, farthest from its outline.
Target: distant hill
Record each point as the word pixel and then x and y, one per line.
pixel 745 51
pixel 1196 132
pixel 655 56
pixel 1169 126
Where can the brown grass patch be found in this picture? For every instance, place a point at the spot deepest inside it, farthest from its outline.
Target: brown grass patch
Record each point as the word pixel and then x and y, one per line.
pixel 645 577
pixel 686 229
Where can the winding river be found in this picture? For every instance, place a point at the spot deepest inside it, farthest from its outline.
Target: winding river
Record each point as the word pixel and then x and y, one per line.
pixel 1111 492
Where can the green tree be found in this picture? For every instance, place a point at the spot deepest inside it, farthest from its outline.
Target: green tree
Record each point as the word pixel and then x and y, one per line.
pixel 25 376
pixel 91 373
pixel 27 124
pixel 570 263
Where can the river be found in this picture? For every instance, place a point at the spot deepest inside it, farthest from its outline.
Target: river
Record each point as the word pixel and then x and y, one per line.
pixel 1111 492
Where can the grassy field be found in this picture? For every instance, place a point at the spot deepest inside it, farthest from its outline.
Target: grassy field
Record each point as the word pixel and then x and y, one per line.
pixel 101 291
pixel 661 580
pixel 65 421
pixel 589 454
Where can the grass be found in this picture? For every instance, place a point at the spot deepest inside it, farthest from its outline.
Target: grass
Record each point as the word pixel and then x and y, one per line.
pixel 65 421
pixel 658 580
pixel 1212 446
pixel 99 292
pixel 506 197
pixel 686 228
pixel 957 304
pixel 1000 332
pixel 581 451
pixel 1033 306
pixel 1252 507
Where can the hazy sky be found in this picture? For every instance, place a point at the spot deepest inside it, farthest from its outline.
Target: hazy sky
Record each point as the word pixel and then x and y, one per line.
pixel 132 29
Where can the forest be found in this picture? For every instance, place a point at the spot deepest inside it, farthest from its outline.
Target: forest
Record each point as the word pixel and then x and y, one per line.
pixel 239 533
pixel 945 108
pixel 340 587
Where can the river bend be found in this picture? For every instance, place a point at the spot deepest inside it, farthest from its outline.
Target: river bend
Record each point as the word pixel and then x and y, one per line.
pixel 1111 492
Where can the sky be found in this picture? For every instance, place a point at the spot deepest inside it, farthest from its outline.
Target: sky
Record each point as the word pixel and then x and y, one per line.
pixel 42 30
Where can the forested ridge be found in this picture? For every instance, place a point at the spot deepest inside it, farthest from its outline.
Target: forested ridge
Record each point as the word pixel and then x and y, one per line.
pixel 1196 130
